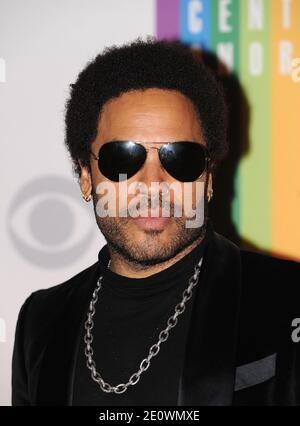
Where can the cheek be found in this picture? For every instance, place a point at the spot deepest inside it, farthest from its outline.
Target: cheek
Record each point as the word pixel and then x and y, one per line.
pixel 190 193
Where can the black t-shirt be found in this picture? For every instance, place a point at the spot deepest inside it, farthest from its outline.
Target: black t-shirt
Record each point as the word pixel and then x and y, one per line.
pixel 130 313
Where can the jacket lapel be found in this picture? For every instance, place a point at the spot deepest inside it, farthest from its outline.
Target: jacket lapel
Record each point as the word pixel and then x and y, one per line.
pixel 208 373
pixel 56 378
pixel 209 366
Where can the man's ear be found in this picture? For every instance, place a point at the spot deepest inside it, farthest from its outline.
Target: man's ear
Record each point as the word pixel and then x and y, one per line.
pixel 85 180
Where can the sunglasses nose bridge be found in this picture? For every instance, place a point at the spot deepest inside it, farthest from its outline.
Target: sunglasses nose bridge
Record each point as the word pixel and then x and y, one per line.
pixel 152 169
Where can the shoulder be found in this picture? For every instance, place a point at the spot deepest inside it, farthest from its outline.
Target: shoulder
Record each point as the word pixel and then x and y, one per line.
pixel 268 263
pixel 63 289
pixel 270 302
pixel 43 307
pixel 270 277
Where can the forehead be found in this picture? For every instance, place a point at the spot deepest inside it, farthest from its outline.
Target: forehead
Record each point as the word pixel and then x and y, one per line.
pixel 150 111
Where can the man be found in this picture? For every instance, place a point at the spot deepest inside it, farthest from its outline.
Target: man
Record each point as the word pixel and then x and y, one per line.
pixel 172 313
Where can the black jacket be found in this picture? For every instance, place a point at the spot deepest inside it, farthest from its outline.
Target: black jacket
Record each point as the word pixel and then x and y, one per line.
pixel 239 348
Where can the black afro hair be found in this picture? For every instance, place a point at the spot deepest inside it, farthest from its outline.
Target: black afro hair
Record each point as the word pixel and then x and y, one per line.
pixel 141 65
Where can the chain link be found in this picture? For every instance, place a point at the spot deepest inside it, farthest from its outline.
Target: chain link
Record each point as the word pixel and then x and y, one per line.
pixel 154 349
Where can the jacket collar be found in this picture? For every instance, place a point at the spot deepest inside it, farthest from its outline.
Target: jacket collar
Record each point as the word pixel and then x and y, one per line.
pixel 207 377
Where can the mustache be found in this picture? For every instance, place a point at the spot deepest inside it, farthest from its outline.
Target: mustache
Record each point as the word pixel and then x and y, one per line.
pixel 145 203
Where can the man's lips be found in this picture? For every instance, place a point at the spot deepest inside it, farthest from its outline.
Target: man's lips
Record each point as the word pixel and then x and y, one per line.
pixel 158 223
pixel 151 222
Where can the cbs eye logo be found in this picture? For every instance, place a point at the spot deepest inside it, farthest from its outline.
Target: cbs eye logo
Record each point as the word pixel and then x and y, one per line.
pixel 47 223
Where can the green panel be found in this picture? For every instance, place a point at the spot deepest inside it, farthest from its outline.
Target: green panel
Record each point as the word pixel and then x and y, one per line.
pixel 255 179
pixel 226 32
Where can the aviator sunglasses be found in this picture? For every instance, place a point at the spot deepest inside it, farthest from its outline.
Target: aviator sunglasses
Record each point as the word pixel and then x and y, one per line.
pixel 185 161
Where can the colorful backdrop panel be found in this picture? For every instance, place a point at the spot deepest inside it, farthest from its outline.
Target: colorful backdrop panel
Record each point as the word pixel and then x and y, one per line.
pixel 257 40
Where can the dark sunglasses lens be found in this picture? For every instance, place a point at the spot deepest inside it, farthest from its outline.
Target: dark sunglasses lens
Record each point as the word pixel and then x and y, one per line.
pixel 119 157
pixel 185 161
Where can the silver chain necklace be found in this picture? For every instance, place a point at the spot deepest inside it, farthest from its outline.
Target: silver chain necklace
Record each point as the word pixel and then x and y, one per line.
pixel 153 351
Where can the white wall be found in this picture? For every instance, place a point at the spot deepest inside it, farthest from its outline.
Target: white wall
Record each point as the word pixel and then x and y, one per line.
pixel 48 233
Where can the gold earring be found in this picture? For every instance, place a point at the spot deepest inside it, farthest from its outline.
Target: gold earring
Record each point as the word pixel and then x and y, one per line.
pixel 211 195
pixel 87 198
